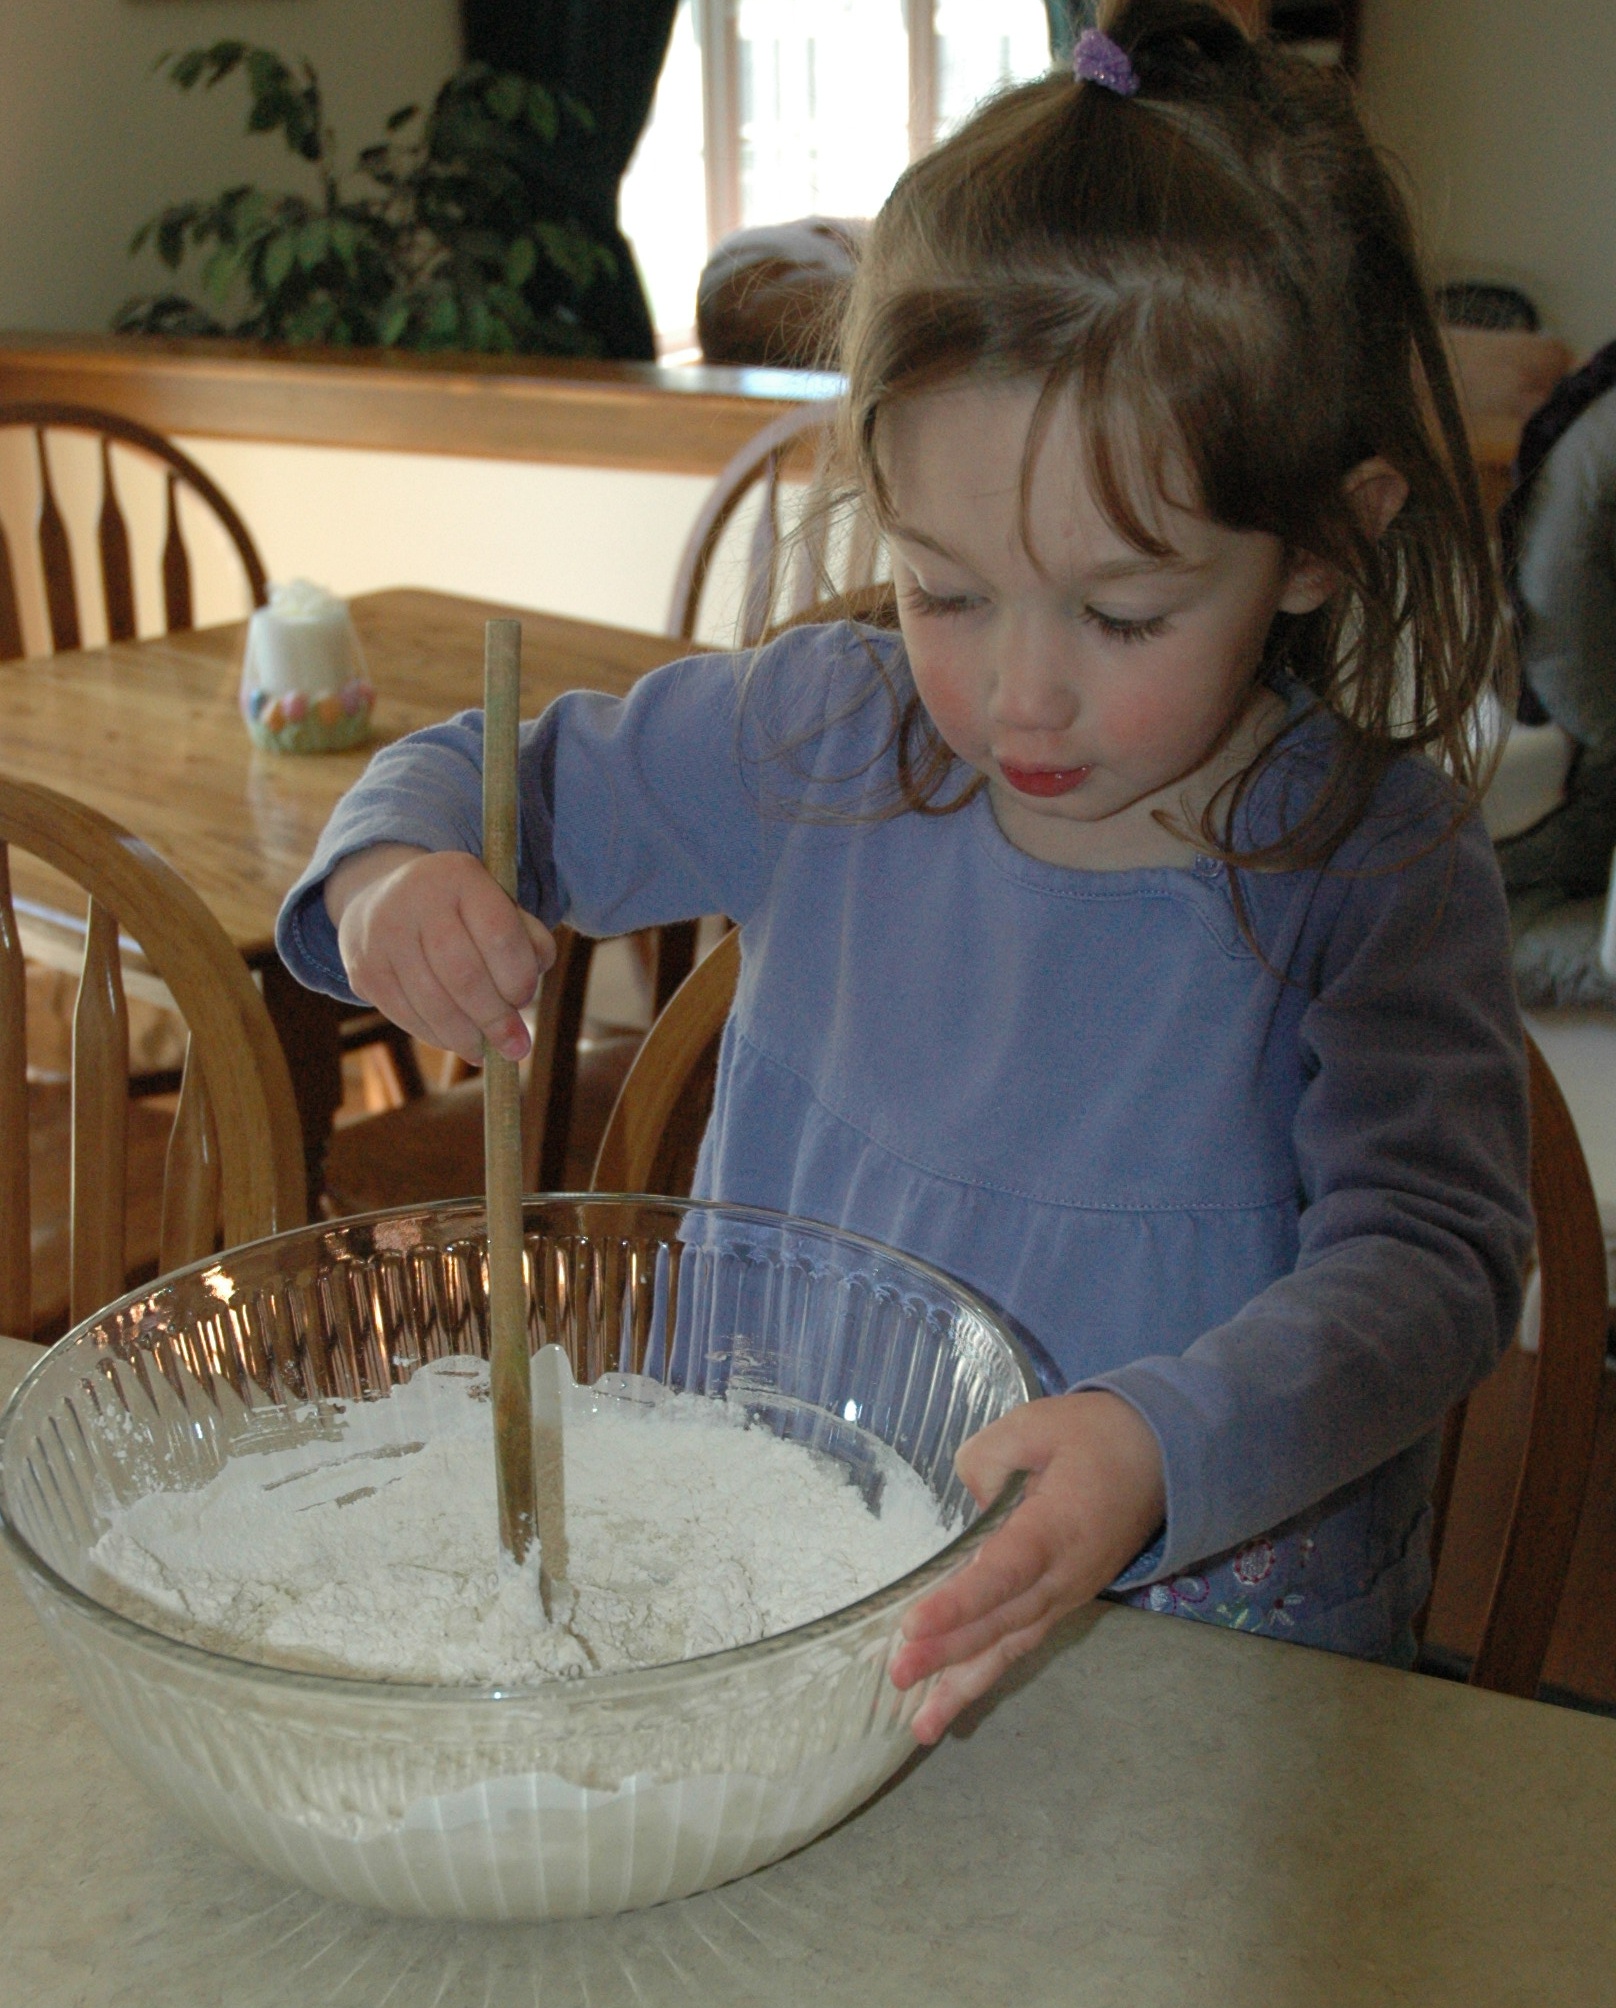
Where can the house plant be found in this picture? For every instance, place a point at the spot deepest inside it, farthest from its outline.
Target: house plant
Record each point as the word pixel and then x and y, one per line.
pixel 433 241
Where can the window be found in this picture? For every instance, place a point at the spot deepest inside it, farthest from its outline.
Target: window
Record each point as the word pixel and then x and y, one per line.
pixel 774 109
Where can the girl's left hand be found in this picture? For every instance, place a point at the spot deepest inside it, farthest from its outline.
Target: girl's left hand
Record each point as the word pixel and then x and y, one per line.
pixel 1095 1496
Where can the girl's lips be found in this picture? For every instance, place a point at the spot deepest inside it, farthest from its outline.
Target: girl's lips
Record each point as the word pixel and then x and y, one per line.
pixel 1044 780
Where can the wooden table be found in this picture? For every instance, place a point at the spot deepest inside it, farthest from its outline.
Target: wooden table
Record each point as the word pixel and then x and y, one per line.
pixel 1157 1814
pixel 148 732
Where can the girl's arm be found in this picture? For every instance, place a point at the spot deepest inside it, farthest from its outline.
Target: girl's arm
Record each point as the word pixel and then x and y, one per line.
pixel 633 812
pixel 667 804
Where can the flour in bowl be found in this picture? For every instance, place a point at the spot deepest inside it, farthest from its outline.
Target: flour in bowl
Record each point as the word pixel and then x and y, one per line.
pixel 365 1540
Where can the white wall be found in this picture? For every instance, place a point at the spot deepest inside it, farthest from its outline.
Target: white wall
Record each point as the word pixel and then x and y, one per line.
pixel 92 142
pixel 597 543
pixel 1504 115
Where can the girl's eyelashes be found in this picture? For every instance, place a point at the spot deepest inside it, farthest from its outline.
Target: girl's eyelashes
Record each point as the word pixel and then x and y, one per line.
pixel 923 602
pixel 1117 629
pixel 1114 627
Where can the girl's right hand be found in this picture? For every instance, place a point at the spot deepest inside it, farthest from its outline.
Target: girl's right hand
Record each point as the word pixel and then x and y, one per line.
pixel 432 942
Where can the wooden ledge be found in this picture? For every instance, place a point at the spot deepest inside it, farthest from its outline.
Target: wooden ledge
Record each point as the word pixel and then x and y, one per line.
pixel 589 414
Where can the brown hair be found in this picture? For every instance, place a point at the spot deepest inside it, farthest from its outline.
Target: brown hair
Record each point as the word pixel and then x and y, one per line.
pixel 1221 270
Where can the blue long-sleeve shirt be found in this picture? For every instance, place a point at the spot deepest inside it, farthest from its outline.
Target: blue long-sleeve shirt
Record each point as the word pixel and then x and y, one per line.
pixel 1273 1195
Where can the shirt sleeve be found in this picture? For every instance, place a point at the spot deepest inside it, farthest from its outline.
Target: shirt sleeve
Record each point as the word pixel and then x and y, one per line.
pixel 663 805
pixel 1411 1145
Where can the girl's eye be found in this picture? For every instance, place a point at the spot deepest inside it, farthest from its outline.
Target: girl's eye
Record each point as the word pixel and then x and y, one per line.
pixel 940 603
pixel 1124 630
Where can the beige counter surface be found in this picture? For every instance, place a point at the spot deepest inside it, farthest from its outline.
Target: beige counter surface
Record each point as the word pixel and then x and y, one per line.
pixel 1159 1815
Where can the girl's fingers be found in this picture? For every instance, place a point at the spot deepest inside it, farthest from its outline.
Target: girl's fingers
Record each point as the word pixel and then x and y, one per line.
pixel 428 1008
pixel 1016 1442
pixel 965 1683
pixel 1020 1554
pixel 1039 1604
pixel 513 949
pixel 458 964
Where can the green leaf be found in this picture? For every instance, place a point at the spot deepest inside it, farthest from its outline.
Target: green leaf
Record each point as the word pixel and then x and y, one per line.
pixel 313 242
pixel 219 273
pixel 187 68
pixel 222 58
pixel 443 317
pixel 520 261
pixel 506 97
pixel 171 239
pixel 541 112
pixel 279 255
pixel 345 241
pixel 395 319
pixel 401 117
pixel 312 319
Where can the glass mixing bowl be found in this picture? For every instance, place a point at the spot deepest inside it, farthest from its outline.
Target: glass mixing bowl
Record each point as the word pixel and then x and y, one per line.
pixel 573 1797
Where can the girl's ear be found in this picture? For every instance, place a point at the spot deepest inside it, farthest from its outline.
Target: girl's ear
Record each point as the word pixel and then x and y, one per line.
pixel 1375 491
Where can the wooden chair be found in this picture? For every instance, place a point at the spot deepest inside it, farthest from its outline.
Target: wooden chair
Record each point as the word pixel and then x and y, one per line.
pixel 231 1156
pixel 432 1148
pixel 775 592
pixel 1565 1407
pixel 656 1128
pixel 112 534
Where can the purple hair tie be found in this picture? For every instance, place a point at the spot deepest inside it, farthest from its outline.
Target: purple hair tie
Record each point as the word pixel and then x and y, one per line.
pixel 1099 60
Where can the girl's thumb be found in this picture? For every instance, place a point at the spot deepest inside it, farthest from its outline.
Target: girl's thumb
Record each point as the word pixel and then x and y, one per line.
pixel 986 1460
pixel 543 940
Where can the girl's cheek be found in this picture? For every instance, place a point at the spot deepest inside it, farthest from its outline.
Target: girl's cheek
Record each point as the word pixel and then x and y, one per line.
pixel 950 701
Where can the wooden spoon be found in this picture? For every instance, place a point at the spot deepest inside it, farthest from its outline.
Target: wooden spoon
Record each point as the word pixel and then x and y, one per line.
pixel 529 1503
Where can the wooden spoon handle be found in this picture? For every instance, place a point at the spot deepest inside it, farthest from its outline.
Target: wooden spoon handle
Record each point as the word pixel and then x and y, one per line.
pixel 502 1121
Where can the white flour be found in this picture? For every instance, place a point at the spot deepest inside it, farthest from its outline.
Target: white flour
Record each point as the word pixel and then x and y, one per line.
pixel 373 1548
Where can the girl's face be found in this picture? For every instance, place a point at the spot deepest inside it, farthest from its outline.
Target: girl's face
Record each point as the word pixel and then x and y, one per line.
pixel 1092 685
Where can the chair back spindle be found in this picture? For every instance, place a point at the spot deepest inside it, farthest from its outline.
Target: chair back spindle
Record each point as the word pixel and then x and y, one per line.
pixel 117 574
pixel 10 611
pixel 55 558
pixel 176 567
pixel 100 1125
pixel 191 1173
pixel 15 1215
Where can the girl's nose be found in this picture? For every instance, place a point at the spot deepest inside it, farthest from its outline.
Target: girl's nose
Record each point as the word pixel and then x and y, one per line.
pixel 1035 688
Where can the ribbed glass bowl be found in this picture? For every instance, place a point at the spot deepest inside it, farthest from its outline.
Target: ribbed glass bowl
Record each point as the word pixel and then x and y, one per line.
pixel 568 1798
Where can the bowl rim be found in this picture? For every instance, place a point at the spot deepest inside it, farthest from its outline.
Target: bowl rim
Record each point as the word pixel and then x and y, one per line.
pixel 609 1687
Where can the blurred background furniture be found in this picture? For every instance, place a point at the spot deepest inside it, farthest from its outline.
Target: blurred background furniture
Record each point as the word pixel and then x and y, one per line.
pixel 655 1132
pixel 54 582
pixel 150 732
pixel 97 1190
pixel 767 546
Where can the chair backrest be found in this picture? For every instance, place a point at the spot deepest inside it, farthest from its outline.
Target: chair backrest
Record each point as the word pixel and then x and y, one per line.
pixel 235 1158
pixel 774 593
pixel 56 567
pixel 656 1127
pixel 552 1072
pixel 1554 1470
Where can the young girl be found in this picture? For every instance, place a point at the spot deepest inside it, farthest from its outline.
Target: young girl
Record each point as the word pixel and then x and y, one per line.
pixel 1108 938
